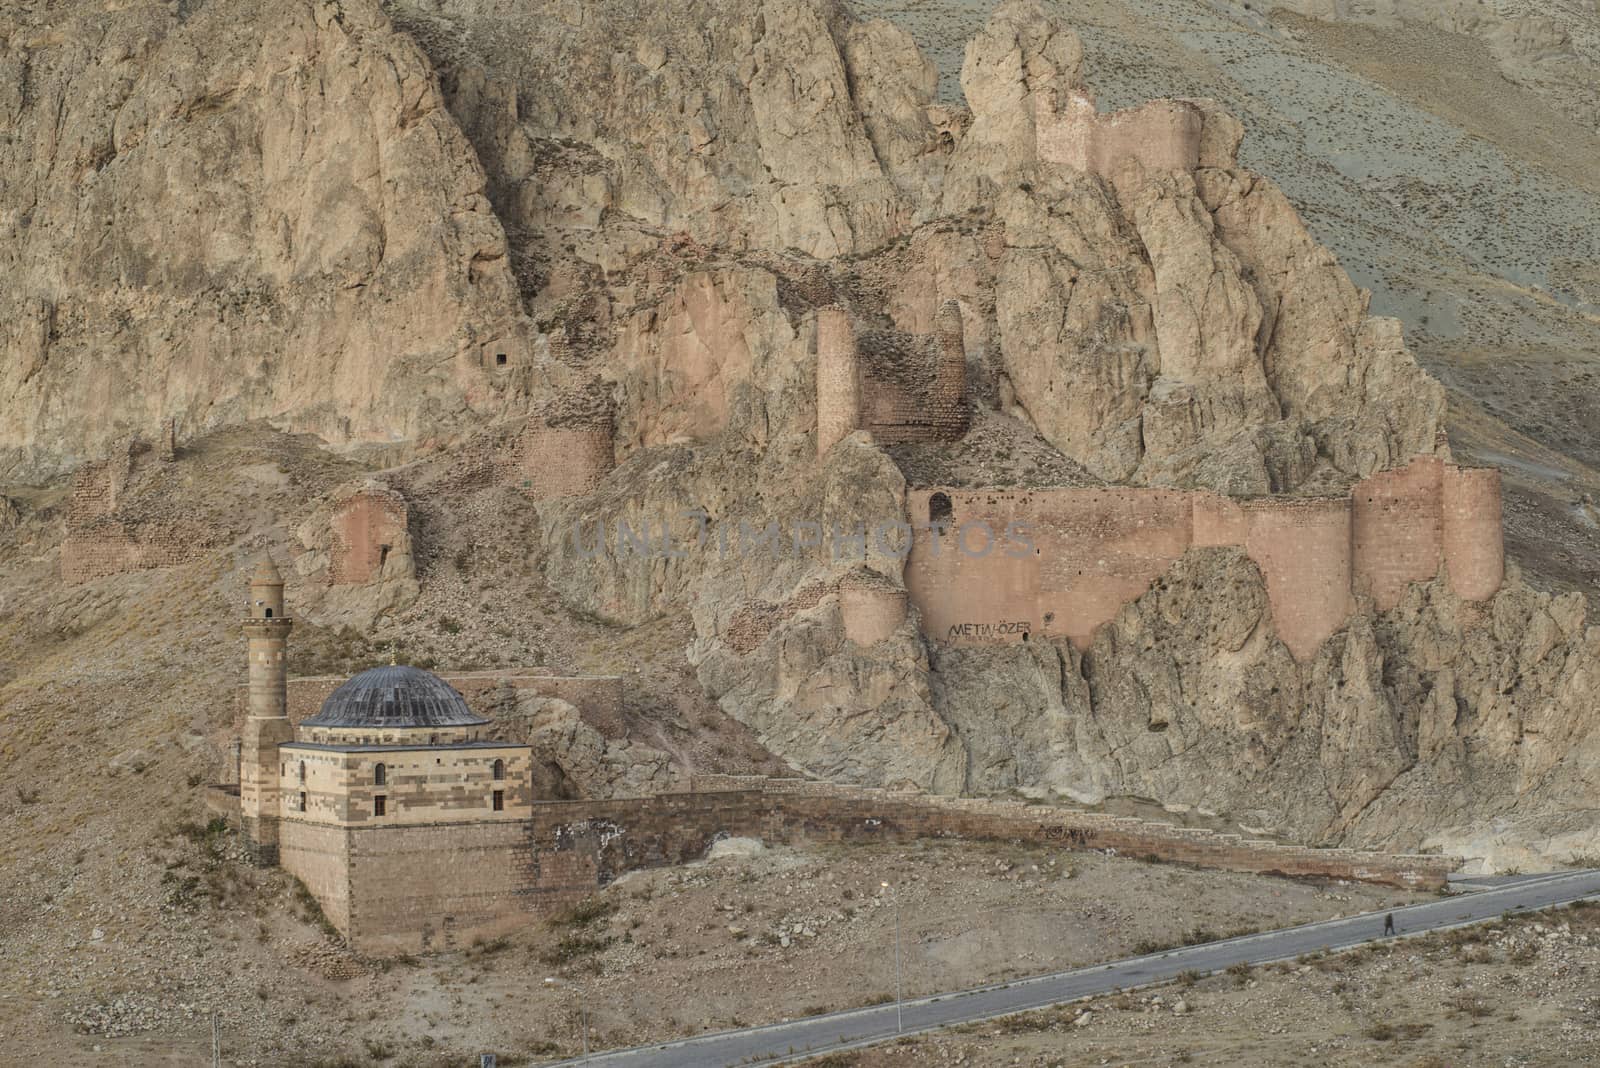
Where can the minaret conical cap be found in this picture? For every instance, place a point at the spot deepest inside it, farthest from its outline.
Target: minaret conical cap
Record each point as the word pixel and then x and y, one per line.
pixel 266 573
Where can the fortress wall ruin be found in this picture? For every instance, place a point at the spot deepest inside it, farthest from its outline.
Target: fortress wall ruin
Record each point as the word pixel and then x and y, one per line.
pixel 552 462
pixel 100 541
pixel 1397 520
pixel 408 894
pixel 1091 551
pixel 1087 553
pixel 838 378
pixel 1474 547
pixel 754 620
pixel 1161 135
pixel 116 551
pixel 871 612
pixel 853 393
pixel 1303 550
pixel 1219 521
pixel 970 598
pixel 1098 549
pixel 367 526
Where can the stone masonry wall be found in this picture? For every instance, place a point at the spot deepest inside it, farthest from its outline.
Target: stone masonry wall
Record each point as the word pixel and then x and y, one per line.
pixel 550 462
pixel 838 378
pixel 1302 547
pixel 100 542
pixel 1474 550
pixel 1078 555
pixel 1398 525
pixel 416 889
pixel 421 888
pixel 366 528
pixel 901 388
pixel 319 856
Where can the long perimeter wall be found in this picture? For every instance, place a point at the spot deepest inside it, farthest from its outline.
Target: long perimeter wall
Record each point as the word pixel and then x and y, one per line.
pixel 408 889
pixel 1087 552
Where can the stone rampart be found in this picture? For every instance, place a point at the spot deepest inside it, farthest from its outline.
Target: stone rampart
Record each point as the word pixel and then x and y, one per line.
pixel 400 889
pixel 101 540
pixel 871 606
pixel 1398 520
pixel 752 622
pixel 838 378
pixel 901 388
pixel 552 462
pixel 1474 546
pixel 1302 547
pixel 1062 562
pixel 367 526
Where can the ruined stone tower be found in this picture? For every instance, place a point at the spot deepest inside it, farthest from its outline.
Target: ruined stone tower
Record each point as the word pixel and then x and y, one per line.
pixel 948 403
pixel 266 630
pixel 838 378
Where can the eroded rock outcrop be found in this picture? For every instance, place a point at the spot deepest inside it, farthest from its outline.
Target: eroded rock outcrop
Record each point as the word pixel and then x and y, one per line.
pixel 686 190
pixel 573 760
pixel 236 212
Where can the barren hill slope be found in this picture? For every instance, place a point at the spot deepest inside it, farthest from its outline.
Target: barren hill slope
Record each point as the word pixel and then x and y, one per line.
pixel 479 248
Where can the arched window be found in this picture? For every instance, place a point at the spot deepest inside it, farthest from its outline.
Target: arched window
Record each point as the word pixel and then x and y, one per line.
pixel 939 507
pixel 380 775
pixel 269 613
pixel 499 769
pixel 302 771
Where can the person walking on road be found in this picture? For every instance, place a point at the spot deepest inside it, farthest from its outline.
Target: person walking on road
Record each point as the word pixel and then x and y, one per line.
pixel 1388 924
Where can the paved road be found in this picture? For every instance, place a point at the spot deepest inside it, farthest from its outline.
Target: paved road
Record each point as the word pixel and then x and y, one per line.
pixel 780 1043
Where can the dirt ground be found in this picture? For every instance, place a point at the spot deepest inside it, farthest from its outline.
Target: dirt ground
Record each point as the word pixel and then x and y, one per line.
pixel 724 943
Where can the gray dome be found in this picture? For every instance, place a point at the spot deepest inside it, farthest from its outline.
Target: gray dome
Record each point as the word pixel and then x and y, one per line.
pixel 395 697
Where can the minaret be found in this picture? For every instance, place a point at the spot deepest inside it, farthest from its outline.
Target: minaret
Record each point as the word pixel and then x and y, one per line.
pixel 266 628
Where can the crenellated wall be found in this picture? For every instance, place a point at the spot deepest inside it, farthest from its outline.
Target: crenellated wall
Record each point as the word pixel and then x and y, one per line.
pixel 1079 554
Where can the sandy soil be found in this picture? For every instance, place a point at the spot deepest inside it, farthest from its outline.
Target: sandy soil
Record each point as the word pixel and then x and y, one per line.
pixel 1525 992
pixel 727 942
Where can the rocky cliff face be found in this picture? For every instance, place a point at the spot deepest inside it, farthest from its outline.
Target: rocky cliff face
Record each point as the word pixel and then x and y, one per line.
pixel 312 216
pixel 227 211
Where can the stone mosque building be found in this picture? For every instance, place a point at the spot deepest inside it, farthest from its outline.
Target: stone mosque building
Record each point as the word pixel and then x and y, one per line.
pixel 394 746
